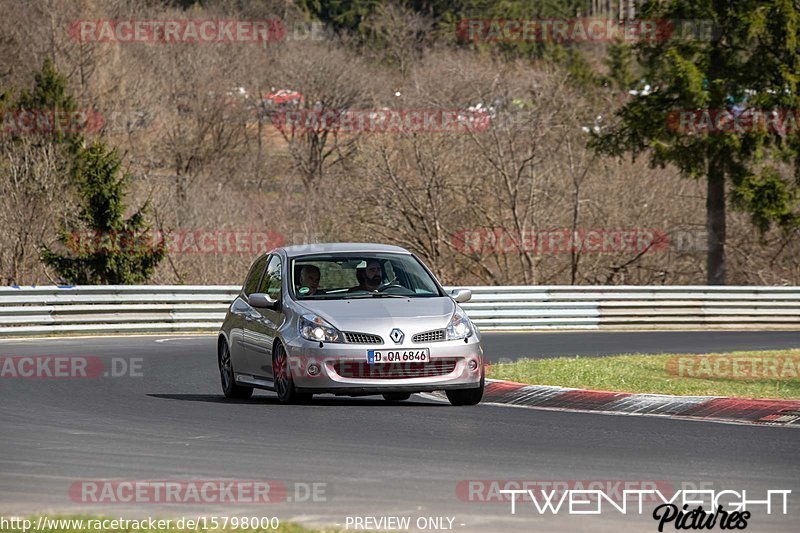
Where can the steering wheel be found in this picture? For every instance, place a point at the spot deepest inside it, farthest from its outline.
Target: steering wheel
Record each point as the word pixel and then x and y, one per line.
pixel 389 285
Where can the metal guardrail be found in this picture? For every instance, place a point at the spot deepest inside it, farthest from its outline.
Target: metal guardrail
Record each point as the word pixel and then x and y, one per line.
pixel 635 307
pixel 51 310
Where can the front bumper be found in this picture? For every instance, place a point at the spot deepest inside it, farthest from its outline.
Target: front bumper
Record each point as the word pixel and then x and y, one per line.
pixel 341 368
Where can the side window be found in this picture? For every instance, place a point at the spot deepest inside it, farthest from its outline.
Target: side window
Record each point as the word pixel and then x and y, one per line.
pixel 254 276
pixel 271 284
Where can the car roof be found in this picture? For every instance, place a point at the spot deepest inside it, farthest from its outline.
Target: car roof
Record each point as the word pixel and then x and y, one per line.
pixel 339 247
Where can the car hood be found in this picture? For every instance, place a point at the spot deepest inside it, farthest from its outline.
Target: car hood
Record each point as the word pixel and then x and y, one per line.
pixel 380 315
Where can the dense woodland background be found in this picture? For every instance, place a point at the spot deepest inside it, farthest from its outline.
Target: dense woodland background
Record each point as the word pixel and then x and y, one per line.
pixel 201 154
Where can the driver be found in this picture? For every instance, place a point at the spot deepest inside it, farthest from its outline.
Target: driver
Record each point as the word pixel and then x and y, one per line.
pixel 370 277
pixel 309 281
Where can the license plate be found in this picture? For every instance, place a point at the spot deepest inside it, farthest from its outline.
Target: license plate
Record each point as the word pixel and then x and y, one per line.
pixel 420 355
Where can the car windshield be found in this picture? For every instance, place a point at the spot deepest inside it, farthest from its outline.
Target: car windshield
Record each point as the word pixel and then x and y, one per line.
pixel 361 275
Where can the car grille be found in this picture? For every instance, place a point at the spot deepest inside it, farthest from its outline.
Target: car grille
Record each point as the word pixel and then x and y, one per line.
pixel 362 338
pixel 436 335
pixel 361 370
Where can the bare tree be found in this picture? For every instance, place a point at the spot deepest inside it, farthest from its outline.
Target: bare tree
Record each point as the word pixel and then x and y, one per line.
pixel 330 81
pixel 399 35
pixel 32 185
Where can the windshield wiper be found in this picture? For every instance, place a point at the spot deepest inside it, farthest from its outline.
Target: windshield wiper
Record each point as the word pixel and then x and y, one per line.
pixel 374 295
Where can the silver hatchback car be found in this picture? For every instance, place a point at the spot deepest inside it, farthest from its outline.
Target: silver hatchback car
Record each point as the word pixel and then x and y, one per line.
pixel 348 319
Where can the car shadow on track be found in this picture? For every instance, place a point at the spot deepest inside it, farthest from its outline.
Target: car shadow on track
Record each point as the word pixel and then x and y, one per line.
pixel 321 400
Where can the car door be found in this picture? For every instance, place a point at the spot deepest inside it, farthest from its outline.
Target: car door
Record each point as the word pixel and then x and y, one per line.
pixel 265 323
pixel 243 314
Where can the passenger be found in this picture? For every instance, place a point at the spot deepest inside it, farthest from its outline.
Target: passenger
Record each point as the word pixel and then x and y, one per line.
pixel 370 277
pixel 309 281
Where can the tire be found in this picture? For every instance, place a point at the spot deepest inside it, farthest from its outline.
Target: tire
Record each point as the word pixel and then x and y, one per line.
pixel 282 378
pixel 396 396
pixel 227 377
pixel 466 396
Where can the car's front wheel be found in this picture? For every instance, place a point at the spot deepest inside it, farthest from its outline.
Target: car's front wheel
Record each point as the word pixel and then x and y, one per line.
pixel 229 387
pixel 282 378
pixel 466 396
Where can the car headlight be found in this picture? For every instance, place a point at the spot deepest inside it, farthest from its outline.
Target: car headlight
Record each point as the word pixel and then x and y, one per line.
pixel 316 328
pixel 459 328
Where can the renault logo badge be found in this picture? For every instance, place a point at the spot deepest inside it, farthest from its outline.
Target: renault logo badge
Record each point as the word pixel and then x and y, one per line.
pixel 397 336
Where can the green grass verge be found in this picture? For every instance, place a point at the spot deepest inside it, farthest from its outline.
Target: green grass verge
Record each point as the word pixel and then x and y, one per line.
pixel 759 374
pixel 81 524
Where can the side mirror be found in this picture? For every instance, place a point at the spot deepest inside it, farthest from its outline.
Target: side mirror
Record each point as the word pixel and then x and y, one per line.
pixel 262 300
pixel 461 295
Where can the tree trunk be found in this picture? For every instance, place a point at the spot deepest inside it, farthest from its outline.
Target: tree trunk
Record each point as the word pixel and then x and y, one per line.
pixel 715 200
pixel 715 224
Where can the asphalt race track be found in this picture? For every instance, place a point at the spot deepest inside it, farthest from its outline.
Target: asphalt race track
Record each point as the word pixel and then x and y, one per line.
pixel 169 421
pixel 591 343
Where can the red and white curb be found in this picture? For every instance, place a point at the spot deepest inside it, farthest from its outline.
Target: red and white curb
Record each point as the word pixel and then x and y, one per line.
pixel 712 408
